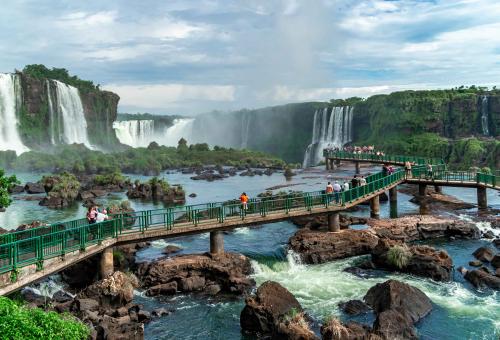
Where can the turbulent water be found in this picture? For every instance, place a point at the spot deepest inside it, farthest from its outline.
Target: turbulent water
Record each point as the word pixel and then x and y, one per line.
pixel 330 129
pixel 10 101
pixel 484 116
pixel 140 133
pixel 459 310
pixel 66 115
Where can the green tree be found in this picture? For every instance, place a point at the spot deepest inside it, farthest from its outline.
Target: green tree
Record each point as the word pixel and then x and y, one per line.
pixel 5 184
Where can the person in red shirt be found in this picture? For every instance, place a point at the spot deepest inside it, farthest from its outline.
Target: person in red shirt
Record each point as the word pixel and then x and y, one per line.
pixel 244 201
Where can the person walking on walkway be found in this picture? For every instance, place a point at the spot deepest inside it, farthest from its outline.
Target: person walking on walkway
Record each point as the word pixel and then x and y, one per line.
pixel 244 201
pixel 346 186
pixel 408 169
pixel 429 170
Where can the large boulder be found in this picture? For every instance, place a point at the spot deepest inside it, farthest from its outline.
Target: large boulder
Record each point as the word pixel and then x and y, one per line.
pixel 226 273
pixel 481 279
pixel 495 261
pixel 399 296
pixel 274 311
pixel 34 188
pixel 484 254
pixel 319 247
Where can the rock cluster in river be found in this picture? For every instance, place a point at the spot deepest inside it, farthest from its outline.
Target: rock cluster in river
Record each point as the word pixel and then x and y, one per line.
pixel 210 274
pixel 274 312
pixel 484 277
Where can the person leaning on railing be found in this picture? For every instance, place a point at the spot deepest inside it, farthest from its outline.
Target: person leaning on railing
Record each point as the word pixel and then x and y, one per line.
pixel 408 169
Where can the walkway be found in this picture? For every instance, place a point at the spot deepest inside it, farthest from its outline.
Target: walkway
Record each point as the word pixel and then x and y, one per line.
pixel 30 255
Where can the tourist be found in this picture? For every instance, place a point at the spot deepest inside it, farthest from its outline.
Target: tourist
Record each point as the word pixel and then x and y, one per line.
pixel 362 181
pixel 354 181
pixel 329 188
pixel 101 216
pixel 244 201
pixel 345 186
pixel 91 215
pixel 408 169
pixel 337 187
pixel 429 171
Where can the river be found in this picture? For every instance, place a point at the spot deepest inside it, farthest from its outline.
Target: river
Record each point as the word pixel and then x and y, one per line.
pixel 459 310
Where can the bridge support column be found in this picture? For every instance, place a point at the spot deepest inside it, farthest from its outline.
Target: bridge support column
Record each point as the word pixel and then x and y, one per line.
pixel 438 189
pixel 327 163
pixel 106 265
pixel 358 169
pixel 482 200
pixel 216 242
pixel 421 189
pixel 375 207
pixel 333 221
pixel 337 162
pixel 393 202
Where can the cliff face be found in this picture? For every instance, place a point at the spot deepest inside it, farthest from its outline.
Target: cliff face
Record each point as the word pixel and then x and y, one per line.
pixel 100 110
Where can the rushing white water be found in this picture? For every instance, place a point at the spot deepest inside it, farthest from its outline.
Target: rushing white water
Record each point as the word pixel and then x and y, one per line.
pixel 140 133
pixel 67 118
pixel 136 133
pixel 332 129
pixel 245 128
pixel 484 116
pixel 10 102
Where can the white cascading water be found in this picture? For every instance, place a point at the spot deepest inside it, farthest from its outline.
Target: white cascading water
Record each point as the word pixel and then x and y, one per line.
pixel 10 101
pixel 140 133
pixel 68 111
pixel 332 129
pixel 245 129
pixel 136 133
pixel 484 116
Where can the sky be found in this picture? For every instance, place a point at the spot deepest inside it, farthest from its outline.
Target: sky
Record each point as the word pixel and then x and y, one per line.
pixel 189 57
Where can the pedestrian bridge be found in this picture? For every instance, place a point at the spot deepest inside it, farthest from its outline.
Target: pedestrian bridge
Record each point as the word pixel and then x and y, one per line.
pixel 30 255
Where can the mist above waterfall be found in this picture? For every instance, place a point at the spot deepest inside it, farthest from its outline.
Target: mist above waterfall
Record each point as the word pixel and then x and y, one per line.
pixel 10 102
pixel 332 129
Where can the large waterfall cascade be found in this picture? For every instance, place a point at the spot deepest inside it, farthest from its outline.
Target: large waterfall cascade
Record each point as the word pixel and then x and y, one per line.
pixel 484 116
pixel 140 133
pixel 331 128
pixel 67 117
pixel 10 103
pixel 245 129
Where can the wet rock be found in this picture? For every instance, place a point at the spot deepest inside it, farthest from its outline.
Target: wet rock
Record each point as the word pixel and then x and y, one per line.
pixel 484 254
pixel 462 270
pixel 320 247
pixel 192 195
pixel 86 305
pixel 212 289
pixel 61 296
pixel 481 279
pixel 208 176
pixel 16 189
pixel 393 324
pixel 496 242
pixel 497 272
pixel 159 312
pixel 484 269
pixel 475 263
pixel 63 307
pixel 34 188
pixel 495 261
pixel 33 298
pixel 271 312
pixel 489 235
pixel 321 221
pixel 143 315
pixel 171 249
pixel 333 329
pixel 163 289
pixel 354 307
pixel 197 272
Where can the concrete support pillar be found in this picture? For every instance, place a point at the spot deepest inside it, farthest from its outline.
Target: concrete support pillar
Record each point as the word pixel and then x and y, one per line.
pixel 438 189
pixel 358 169
pixel 393 202
pixel 332 164
pixel 106 265
pixel 216 242
pixel 327 163
pixel 337 162
pixel 482 200
pixel 393 194
pixel 421 189
pixel 375 207
pixel 333 221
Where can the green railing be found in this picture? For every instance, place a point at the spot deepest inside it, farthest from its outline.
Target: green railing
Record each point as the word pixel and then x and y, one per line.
pixel 38 248
pixel 379 158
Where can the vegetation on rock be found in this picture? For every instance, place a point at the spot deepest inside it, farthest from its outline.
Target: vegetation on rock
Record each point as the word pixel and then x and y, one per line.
pixel 399 256
pixel 5 183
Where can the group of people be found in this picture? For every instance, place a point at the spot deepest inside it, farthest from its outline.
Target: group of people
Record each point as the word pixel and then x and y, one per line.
pixel 94 215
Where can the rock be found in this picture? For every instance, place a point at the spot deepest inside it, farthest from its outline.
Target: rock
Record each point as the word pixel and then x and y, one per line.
pixel 192 195
pixel 399 296
pixel 496 242
pixel 354 307
pixel 475 263
pixel 489 234
pixel 481 279
pixel 163 289
pixel 392 324
pixel 81 274
pixel 462 270
pixel 143 315
pixel 61 297
pixel 86 305
pixel 196 272
pixel 320 247
pixel 497 272
pixel 495 261
pixel 122 311
pixel 159 312
pixel 34 188
pixel 113 291
pixel 484 254
pixel 333 329
pixel 484 269
pixel 170 249
pixel 63 307
pixel 16 189
pixel 264 311
pixel 208 176
pixel 33 298
pixel 213 289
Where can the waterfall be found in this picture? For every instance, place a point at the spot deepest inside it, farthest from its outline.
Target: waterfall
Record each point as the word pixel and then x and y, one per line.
pixel 140 133
pixel 67 121
pixel 10 103
pixel 484 116
pixel 245 128
pixel 332 129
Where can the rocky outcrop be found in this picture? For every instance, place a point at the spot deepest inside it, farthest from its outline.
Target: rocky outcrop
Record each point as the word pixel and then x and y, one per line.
pixel 34 188
pixel 209 176
pixel 319 247
pixel 484 254
pixel 274 311
pixel 482 279
pixel 333 329
pixel 417 260
pixel 211 274
pixel 354 307
pixel 157 192
pixel 321 221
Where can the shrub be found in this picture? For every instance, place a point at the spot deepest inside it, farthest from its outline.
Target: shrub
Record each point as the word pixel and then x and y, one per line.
pixel 18 322
pixel 399 256
pixel 5 184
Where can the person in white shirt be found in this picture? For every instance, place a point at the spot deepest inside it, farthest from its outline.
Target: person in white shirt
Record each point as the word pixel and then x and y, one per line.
pixel 346 186
pixel 101 216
